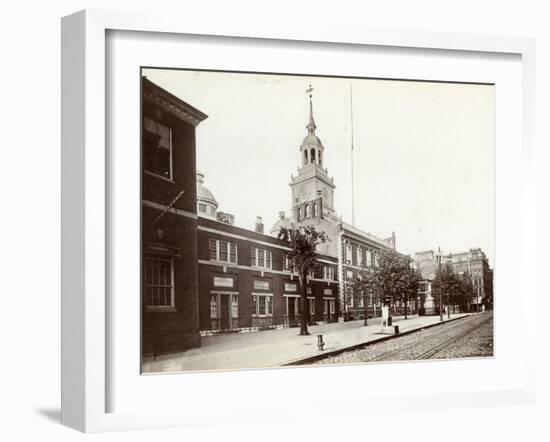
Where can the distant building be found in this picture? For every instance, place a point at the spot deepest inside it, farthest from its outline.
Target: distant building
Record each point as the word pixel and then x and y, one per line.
pixel 170 316
pixel 472 264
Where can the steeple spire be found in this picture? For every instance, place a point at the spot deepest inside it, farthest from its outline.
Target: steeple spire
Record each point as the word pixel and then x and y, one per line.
pixel 311 124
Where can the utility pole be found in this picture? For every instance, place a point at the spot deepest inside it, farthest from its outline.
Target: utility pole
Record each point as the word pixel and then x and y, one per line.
pixel 440 285
pixel 449 297
pixel 352 180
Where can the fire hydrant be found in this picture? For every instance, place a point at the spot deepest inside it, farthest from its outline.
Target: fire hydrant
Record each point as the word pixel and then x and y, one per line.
pixel 320 343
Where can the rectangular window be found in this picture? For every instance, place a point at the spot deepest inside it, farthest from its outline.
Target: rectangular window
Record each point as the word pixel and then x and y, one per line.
pixel 328 272
pixel 311 306
pixel 234 306
pixel 262 305
pixel 157 146
pixel 348 254
pixel 287 264
pixel 213 306
pixel 369 258
pixel 159 282
pixel 359 254
pixel 361 300
pixel 223 250
pixel 376 260
pixel 212 249
pixel 220 250
pixel 232 252
pixel 332 307
pixel 260 258
pixel 311 274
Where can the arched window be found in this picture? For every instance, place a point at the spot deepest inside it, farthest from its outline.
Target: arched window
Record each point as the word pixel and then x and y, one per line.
pixel 312 157
pixel 315 209
pixel 307 213
pixel 305 157
pixel 320 163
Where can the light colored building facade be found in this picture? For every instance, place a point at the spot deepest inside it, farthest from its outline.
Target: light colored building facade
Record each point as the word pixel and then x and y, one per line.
pixel 472 264
pixel 312 203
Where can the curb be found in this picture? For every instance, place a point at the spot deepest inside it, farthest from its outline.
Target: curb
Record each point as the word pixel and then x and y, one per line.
pixel 337 351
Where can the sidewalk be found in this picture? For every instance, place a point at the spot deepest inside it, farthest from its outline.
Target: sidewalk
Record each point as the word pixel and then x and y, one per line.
pixel 271 348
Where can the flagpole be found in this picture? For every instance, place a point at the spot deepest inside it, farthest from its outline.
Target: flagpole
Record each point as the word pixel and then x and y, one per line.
pixel 352 178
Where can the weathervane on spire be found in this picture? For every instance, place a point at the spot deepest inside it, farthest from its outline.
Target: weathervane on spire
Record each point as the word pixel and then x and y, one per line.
pixel 311 125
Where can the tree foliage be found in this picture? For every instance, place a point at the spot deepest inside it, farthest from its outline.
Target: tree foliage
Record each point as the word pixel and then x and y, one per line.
pixel 457 289
pixel 392 278
pixel 303 241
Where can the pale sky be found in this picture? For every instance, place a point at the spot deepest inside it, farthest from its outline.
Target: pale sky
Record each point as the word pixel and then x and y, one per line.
pixel 424 152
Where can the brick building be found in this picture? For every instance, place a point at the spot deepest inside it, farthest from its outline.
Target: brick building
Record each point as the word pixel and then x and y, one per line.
pixel 170 316
pixel 245 281
pixel 473 264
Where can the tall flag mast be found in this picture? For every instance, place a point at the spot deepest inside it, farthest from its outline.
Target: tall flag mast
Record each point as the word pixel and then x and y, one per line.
pixel 352 180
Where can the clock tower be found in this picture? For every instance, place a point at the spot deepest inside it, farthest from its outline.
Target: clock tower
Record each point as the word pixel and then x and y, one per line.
pixel 312 189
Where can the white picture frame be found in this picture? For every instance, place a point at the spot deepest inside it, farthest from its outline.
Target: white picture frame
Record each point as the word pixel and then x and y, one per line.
pixel 85 215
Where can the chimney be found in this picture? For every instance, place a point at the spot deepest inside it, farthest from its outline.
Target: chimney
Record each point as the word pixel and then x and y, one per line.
pixel 282 215
pixel 259 227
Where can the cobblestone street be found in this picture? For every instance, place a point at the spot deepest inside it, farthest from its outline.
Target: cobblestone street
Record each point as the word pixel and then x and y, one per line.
pixel 466 337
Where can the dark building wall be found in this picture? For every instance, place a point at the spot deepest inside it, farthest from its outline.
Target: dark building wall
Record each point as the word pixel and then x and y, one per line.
pixel 244 276
pixel 173 237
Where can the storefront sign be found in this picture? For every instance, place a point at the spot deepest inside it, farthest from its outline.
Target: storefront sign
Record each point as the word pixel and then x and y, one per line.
pixel 223 282
pixel 291 287
pixel 261 285
pixel 327 292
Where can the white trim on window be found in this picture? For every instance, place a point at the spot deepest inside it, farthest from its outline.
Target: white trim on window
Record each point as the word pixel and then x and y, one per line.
pixel 170 178
pixel 157 284
pixel 348 252
pixel 267 306
pixel 263 256
pixel 229 246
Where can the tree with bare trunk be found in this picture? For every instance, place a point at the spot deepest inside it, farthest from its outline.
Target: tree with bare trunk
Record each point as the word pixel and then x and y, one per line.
pixel 303 241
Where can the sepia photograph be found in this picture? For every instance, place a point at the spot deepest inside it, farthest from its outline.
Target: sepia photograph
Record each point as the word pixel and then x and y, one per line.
pixel 305 220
